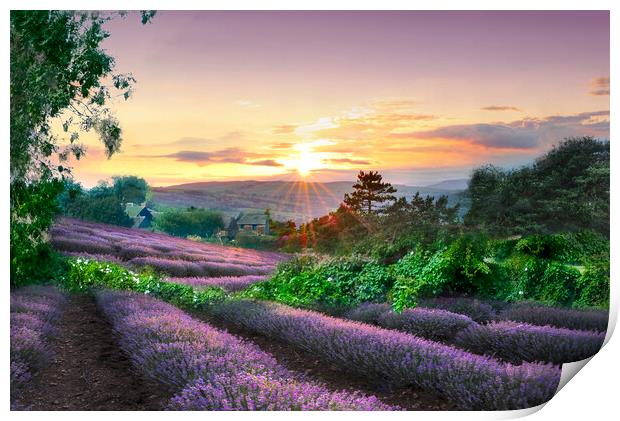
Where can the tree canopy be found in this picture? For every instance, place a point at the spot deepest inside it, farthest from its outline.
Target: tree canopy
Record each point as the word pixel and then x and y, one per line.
pixel 368 192
pixel 58 76
pixel 567 189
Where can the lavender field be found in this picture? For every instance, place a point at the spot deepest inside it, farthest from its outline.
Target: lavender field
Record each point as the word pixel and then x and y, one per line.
pixel 184 261
pixel 464 352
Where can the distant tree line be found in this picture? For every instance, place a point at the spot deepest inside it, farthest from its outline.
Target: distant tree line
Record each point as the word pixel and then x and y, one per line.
pixel 191 221
pixel 105 202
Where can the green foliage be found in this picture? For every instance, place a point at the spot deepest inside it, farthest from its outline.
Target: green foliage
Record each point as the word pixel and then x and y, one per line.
pixel 310 282
pixel 57 74
pixel 100 204
pixel 535 199
pixel 593 284
pixel 253 241
pixel 84 274
pixel 181 223
pixel 32 213
pixel 459 267
pixel 130 189
pixel 558 284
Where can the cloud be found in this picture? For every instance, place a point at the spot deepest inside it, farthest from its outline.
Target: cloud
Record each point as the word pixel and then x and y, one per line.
pixel 346 161
pixel 283 129
pixel 223 156
pixel 491 135
pixel 527 133
pixel 282 145
pixel 500 108
pixel 265 162
pixel 599 86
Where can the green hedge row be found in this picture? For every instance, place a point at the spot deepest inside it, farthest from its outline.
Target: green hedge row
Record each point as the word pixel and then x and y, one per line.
pixel 84 274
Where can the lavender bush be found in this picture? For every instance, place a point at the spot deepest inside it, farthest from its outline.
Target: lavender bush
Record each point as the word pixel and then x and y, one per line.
pixel 250 392
pixel 208 368
pixel 433 324
pixel 472 381
pixel 34 310
pixel 229 283
pixel 518 342
pixel 81 245
pixel 563 318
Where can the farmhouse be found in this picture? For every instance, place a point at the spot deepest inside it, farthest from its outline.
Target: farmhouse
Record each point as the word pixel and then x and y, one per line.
pixel 142 215
pixel 254 222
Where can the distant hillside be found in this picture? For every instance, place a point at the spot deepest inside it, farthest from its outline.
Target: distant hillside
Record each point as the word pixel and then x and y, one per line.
pixel 458 184
pixel 286 199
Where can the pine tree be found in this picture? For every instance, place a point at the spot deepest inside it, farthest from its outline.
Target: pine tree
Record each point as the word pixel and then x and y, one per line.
pixel 369 191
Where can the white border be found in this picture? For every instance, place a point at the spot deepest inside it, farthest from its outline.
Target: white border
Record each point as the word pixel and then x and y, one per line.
pixel 592 394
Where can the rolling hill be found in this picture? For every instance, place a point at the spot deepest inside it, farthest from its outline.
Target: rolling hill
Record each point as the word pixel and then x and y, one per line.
pixel 287 199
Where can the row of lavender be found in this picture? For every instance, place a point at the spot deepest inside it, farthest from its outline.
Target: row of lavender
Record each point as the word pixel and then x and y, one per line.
pixel 34 311
pixel 513 341
pixel 396 358
pixel 188 262
pixel 208 369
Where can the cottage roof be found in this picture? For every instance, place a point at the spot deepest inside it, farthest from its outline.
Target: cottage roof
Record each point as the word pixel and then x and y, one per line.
pixel 253 219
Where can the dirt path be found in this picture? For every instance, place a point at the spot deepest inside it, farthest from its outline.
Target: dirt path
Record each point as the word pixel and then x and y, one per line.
pixel 89 371
pixel 313 368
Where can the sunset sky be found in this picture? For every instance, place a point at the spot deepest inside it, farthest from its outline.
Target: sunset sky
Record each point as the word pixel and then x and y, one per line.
pixel 420 96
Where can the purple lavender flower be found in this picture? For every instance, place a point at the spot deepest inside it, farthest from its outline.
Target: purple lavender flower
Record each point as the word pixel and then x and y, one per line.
pixel 518 342
pixel 34 310
pixel 229 283
pixel 209 368
pixel 472 381
pixel 558 317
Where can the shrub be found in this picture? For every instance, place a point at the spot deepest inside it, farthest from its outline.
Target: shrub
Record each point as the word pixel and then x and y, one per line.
pixel 253 241
pixel 471 381
pixel 518 342
pixel 558 317
pixel 459 267
pixel 433 324
pixel 558 284
pixel 309 281
pixel 593 284
pixel 86 274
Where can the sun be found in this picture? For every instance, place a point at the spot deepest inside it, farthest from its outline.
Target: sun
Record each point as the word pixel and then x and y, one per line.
pixel 306 161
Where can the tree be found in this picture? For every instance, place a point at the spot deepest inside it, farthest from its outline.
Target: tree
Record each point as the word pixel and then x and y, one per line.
pixel 99 204
pixel 57 74
pixel 130 189
pixel 370 190
pixel 567 189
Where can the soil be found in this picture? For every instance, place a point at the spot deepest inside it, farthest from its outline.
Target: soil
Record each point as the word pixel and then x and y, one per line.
pixel 309 366
pixel 89 371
